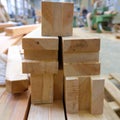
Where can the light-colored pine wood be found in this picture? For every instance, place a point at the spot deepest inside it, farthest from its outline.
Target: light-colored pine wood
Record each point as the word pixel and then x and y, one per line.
pixel 45 55
pixel 116 76
pixel 72 94
pixel 80 43
pixel 58 85
pixel 84 93
pixel 112 90
pixel 97 95
pixel 53 111
pixel 16 81
pixel 5 25
pixel 57 18
pixel 80 57
pixel 114 106
pixel 108 114
pixel 41 88
pixel 81 69
pixel 6 42
pixel 35 41
pixel 14 107
pixel 39 67
pixel 20 30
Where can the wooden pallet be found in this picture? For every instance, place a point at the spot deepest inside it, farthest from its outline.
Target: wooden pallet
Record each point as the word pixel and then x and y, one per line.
pixel 55 111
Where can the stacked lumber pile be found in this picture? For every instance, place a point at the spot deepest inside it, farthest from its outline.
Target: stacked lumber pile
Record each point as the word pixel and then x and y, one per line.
pixel 41 53
pixel 83 90
pixel 41 60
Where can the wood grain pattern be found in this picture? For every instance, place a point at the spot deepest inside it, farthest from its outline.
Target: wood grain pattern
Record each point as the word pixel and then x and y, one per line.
pixel 57 15
pixel 58 85
pixel 81 69
pixel 35 41
pixel 72 94
pixel 16 81
pixel 11 104
pixel 44 55
pixel 80 57
pixel 20 30
pixel 39 67
pixel 84 93
pixel 75 44
pixel 97 95
pixel 41 88
pixel 53 111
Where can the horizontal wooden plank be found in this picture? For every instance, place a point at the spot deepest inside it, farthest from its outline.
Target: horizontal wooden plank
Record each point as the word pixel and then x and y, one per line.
pixel 16 81
pixel 38 67
pixel 80 57
pixel 108 114
pixel 53 111
pixel 11 104
pixel 45 55
pixel 81 69
pixel 77 44
pixel 36 41
pixel 20 30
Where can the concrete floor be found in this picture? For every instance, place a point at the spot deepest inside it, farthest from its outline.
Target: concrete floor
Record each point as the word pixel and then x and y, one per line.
pixel 109 52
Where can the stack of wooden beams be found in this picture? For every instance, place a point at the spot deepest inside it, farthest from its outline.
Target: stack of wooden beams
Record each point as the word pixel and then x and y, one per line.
pixel 41 60
pixel 41 52
pixel 83 90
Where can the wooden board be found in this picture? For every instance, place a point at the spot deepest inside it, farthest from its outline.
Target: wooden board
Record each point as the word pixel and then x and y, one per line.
pixel 57 15
pixel 4 25
pixel 14 107
pixel 80 57
pixel 84 93
pixel 41 88
pixel 81 43
pixel 36 41
pixel 6 42
pixel 44 55
pixel 97 95
pixel 81 69
pixel 20 30
pixel 108 114
pixel 53 111
pixel 38 67
pixel 58 85
pixel 112 90
pixel 116 76
pixel 72 94
pixel 16 81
